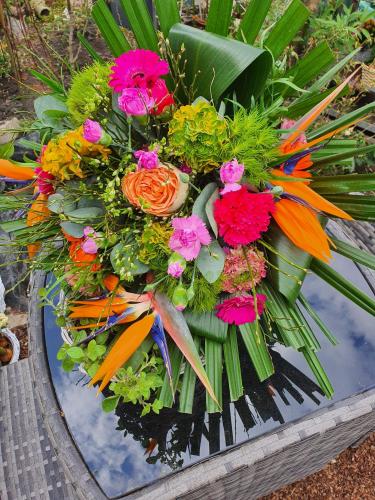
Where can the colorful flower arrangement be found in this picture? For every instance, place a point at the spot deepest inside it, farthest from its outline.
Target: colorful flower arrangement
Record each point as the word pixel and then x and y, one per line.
pixel 167 219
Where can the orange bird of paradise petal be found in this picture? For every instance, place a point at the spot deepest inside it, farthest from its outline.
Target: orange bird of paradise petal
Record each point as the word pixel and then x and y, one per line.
pixel 9 169
pixel 38 212
pixel 121 351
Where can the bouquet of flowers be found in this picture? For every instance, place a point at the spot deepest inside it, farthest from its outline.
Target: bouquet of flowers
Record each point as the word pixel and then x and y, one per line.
pixel 176 198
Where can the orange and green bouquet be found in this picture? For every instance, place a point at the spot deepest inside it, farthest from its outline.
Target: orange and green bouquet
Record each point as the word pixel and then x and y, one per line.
pixel 179 199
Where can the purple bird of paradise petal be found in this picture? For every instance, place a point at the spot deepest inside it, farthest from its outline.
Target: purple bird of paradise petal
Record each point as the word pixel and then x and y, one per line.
pixel 290 164
pixel 158 334
pixel 111 321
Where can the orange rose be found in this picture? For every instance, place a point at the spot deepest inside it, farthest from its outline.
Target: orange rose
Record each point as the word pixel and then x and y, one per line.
pixel 158 191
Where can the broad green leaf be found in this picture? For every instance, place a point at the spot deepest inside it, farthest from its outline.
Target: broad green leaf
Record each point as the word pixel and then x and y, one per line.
pixel 285 277
pixel 207 325
pixel 359 207
pixel 210 261
pixel 327 77
pixel 318 371
pixel 109 29
pixel 303 104
pixel 59 204
pixel 67 364
pixel 92 351
pixel 329 159
pixel 90 49
pixel 188 385
pixel 224 65
pixel 233 364
pixel 214 369
pixel 52 84
pixel 166 395
pixel 85 214
pixel 314 315
pixel 121 254
pixel 176 326
pixel 199 207
pixel 343 120
pixel 140 20
pixel 210 211
pixel 252 20
pixel 92 369
pixel 350 183
pixel 44 104
pixel 219 16
pixel 310 65
pixel 354 253
pixel 6 150
pixel 72 229
pixel 168 15
pixel 287 27
pixel 75 353
pixel 13 225
pixel 110 404
pixel 342 285
pixel 257 349
pixel 85 202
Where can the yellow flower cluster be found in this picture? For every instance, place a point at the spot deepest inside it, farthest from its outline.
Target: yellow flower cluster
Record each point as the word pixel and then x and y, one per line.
pixel 153 242
pixel 63 156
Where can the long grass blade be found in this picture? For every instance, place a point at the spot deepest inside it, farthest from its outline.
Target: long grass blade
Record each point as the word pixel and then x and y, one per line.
pixel 328 76
pixel 168 15
pixel 257 349
pixel 350 183
pixel 140 20
pixel 166 395
pixel 337 158
pixel 109 29
pixel 188 385
pixel 233 365
pixel 252 20
pixel 318 371
pixel 52 84
pixel 90 49
pixel 354 253
pixel 219 16
pixel 214 368
pixel 207 325
pixel 314 315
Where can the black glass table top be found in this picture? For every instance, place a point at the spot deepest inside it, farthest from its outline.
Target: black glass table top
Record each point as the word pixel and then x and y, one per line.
pixel 114 445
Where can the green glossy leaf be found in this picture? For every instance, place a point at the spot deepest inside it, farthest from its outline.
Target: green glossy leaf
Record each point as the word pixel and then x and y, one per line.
pixel 252 20
pixel 168 15
pixel 110 404
pixel 75 353
pixel 257 349
pixel 332 159
pixel 224 65
pixel 342 285
pixel 314 315
pixel 343 120
pixel 210 261
pixel 58 203
pixel 109 29
pixel 166 395
pixel 354 253
pixel 188 385
pixel 219 16
pixel 85 214
pixel 73 229
pixel 214 369
pixel 287 27
pixel 67 364
pixel 233 364
pixel 140 20
pixel 122 252
pixel 90 49
pixel 199 207
pixel 13 225
pixel 318 371
pixel 210 211
pixel 207 325
pixel 286 278
pixel 44 104
pixel 349 183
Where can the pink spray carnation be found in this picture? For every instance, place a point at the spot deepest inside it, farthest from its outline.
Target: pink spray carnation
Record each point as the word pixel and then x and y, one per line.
pixel 190 233
pixel 136 102
pixel 89 244
pixel 44 181
pixel 240 310
pixel 137 68
pixel 242 216
pixel 92 131
pixel 236 273
pixel 147 159
pixel 231 172
pixel 175 269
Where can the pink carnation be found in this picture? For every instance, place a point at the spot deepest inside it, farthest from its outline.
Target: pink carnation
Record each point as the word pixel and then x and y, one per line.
pixel 136 102
pixel 137 68
pixel 236 274
pixel 44 181
pixel 175 269
pixel 242 216
pixel 89 244
pixel 190 233
pixel 231 172
pixel 240 310
pixel 147 159
pixel 92 131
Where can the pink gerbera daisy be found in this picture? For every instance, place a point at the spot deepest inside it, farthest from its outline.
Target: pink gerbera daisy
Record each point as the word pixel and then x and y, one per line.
pixel 240 310
pixel 137 68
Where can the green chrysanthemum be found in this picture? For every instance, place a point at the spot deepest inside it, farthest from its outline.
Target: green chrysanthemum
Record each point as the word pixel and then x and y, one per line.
pixel 199 136
pixel 89 92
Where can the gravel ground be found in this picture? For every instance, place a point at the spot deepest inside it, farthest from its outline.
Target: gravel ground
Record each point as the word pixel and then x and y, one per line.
pixel 350 476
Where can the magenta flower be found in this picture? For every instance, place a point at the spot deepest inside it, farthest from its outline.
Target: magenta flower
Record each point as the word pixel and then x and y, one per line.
pixel 229 188
pixel 92 131
pixel 175 269
pixel 162 97
pixel 231 172
pixel 137 68
pixel 136 102
pixel 240 310
pixel 147 159
pixel 44 181
pixel 190 233
pixel 89 244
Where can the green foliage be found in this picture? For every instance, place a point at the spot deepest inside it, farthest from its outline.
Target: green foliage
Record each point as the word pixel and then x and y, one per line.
pixel 90 355
pixel 199 135
pixel 137 386
pixel 89 92
pixel 252 142
pixel 153 245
